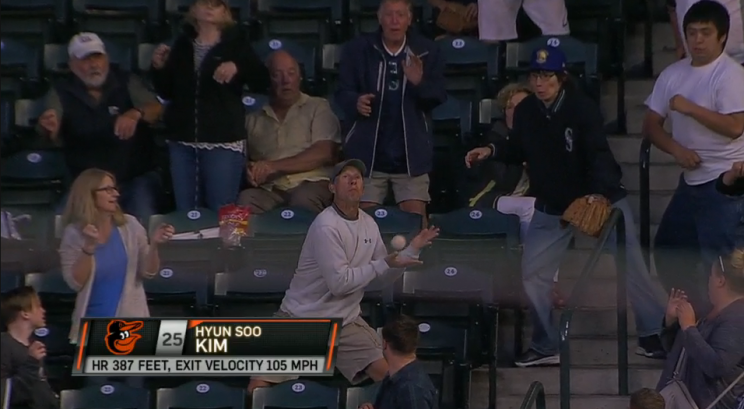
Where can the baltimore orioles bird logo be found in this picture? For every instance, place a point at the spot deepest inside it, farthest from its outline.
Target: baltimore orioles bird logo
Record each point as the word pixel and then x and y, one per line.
pixel 122 336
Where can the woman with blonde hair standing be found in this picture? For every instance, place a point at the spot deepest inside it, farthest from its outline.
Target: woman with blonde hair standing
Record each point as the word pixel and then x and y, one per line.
pixel 105 253
pixel 202 78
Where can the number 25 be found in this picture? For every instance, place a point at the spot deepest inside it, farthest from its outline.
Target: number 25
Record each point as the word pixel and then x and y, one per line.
pixel 172 339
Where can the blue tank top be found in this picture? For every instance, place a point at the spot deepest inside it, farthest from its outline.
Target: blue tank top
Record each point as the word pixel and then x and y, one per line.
pixel 108 280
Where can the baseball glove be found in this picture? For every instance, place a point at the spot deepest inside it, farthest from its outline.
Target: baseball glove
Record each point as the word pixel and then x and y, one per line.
pixel 453 20
pixel 588 214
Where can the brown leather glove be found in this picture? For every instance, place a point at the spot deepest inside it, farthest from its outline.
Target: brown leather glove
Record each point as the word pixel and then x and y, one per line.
pixel 588 214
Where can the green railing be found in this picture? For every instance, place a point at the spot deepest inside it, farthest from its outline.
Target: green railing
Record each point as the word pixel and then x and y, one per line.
pixel 535 396
pixel 615 222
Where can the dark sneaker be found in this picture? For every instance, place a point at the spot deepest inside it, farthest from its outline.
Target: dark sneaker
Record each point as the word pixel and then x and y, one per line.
pixel 532 358
pixel 650 347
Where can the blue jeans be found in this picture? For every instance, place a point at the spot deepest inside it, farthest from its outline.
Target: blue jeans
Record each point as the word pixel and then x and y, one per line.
pixel 545 246
pixel 140 197
pixel 699 225
pixel 205 177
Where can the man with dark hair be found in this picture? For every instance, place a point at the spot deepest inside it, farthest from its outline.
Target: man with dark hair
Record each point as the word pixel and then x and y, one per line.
pixel 735 40
pixel 21 356
pixel 703 96
pixel 647 399
pixel 407 385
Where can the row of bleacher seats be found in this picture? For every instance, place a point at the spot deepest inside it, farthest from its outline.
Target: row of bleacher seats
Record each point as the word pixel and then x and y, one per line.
pixel 300 394
pixel 469 274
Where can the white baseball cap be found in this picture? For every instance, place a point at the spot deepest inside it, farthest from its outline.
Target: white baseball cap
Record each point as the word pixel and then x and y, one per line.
pixel 85 44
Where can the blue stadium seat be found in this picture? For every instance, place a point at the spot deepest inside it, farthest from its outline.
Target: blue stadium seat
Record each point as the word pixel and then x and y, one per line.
pixel 200 395
pixel 7 114
pixel 56 296
pixel 37 20
pixel 582 59
pixel 32 177
pixel 357 396
pixel 108 396
pixel 471 68
pixel 452 129
pixel 452 121
pixel 55 337
pixel 192 221
pixel 254 102
pixel 19 59
pixel 304 54
pixel 311 22
pixel 392 221
pixel 282 222
pixel 296 395
pixel 10 279
pixel 131 18
pixel 34 227
pixel 488 112
pixel 257 276
pixel 363 14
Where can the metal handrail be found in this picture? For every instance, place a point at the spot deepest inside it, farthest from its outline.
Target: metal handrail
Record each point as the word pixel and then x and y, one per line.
pixel 644 173
pixel 535 395
pixel 616 221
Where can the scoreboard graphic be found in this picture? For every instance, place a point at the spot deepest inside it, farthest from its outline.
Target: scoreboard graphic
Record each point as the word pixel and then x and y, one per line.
pixel 208 347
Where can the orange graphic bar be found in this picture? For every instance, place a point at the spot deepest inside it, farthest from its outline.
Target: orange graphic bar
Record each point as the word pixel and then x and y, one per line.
pixel 329 364
pixel 82 346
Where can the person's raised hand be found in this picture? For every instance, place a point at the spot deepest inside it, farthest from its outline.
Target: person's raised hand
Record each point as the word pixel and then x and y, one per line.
pixel 685 315
pixel 736 173
pixel 471 11
pixel 49 122
pixel 687 158
pixel 395 260
pixel 225 72
pixel 424 238
pixel 126 124
pixel 37 350
pixel 91 236
pixel 364 104
pixel 413 69
pixel 162 234
pixel 477 155
pixel 675 298
pixel 160 56
pixel 681 104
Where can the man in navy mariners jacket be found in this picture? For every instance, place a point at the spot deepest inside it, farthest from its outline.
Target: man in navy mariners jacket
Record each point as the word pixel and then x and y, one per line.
pixel 558 133
pixel 389 83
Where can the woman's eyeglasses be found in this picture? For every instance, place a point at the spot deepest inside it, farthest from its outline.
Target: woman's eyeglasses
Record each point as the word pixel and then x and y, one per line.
pixel 107 189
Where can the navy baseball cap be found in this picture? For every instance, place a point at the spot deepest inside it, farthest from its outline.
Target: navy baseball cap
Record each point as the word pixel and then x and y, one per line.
pixel 355 163
pixel 548 59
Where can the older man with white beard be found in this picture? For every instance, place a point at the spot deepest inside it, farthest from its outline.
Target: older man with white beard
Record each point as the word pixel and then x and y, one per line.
pixel 99 116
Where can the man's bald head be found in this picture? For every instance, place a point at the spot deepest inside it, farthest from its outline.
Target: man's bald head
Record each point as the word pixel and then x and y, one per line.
pixel 285 77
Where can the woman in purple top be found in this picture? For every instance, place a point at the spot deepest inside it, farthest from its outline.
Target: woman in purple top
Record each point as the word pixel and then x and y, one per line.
pixel 713 344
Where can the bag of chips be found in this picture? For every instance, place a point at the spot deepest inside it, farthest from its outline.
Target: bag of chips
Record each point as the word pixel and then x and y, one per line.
pixel 233 224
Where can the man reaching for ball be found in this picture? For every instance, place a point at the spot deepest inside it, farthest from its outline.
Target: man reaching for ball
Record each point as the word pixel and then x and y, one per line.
pixel 342 254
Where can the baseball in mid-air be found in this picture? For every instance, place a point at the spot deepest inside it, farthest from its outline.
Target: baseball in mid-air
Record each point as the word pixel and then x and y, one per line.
pixel 398 242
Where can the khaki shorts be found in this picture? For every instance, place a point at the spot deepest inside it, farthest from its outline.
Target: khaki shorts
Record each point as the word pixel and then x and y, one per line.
pixel 404 188
pixel 358 347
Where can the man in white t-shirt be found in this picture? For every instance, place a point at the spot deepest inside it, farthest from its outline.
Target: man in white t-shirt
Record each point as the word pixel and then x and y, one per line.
pixel 342 254
pixel 703 96
pixel 497 19
pixel 735 40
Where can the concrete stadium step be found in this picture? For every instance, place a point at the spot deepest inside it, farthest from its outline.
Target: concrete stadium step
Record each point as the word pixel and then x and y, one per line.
pixel 600 292
pixel 584 380
pixel 577 402
pixel 627 147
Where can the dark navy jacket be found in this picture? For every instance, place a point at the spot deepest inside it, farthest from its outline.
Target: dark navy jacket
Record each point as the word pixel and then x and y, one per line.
pixel 409 388
pixel 566 151
pixel 362 71
pixel 87 129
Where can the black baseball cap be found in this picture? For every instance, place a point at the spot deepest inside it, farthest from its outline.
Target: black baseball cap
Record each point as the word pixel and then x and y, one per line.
pixel 356 163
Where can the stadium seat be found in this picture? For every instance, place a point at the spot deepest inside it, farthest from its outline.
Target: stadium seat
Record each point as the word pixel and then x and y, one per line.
pixel 182 286
pixel 311 22
pixel 200 395
pixel 581 59
pixel 108 396
pixel 257 276
pixel 363 15
pixel 131 18
pixel 19 59
pixel 282 222
pixel 37 20
pixel 391 221
pixel 488 112
pixel 304 54
pixel 471 68
pixel 357 396
pixel 10 279
pixel 296 395
pixel 55 337
pixel 32 231
pixel 254 102
pixel 56 296
pixel 452 128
